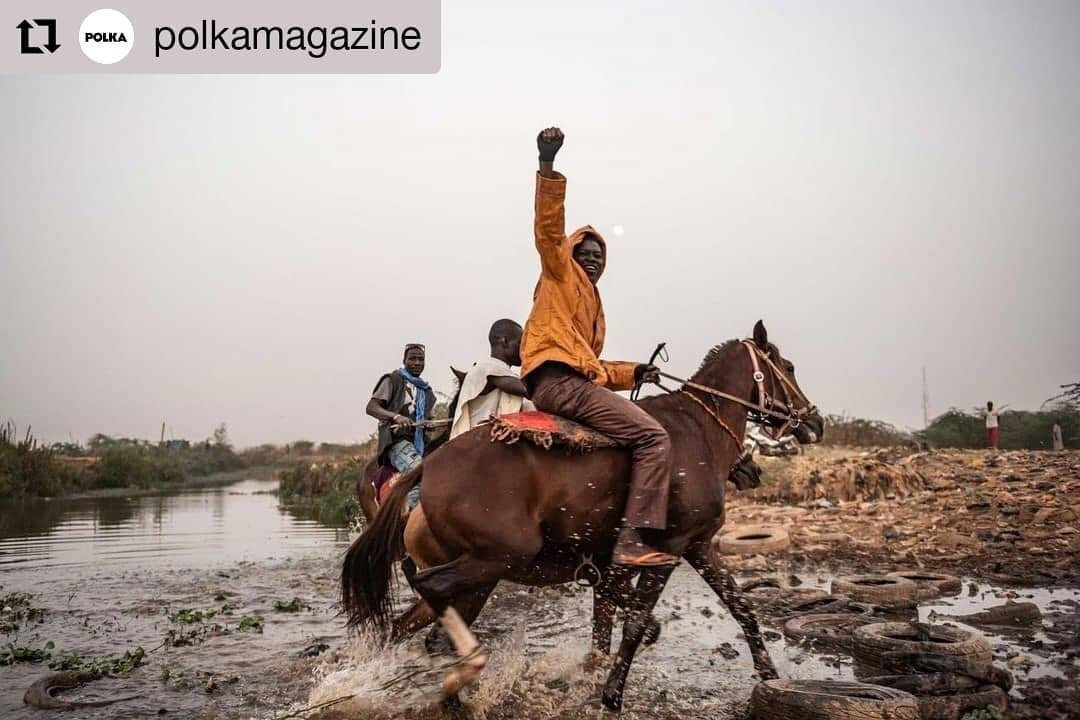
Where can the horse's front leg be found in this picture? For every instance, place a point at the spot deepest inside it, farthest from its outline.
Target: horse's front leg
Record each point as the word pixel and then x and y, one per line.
pixel 724 585
pixel 603 613
pixel 649 586
pixel 615 592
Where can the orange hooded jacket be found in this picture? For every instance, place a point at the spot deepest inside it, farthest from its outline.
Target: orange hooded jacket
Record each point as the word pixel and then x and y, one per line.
pixel 567 320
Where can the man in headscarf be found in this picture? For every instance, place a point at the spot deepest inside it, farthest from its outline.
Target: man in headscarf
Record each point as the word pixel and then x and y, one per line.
pixel 403 404
pixel 562 369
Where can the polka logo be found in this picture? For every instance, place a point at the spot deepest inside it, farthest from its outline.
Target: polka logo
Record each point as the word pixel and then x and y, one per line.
pixel 106 36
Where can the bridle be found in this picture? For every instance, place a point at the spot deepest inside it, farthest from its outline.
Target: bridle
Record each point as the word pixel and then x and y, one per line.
pixel 777 416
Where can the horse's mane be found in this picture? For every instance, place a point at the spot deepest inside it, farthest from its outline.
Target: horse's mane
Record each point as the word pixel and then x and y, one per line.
pixel 713 354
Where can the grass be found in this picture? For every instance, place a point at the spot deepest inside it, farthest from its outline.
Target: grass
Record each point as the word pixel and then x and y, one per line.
pixel 328 488
pixel 30 469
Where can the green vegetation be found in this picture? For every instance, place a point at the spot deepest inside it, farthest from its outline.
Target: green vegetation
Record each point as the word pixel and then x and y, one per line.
pixel 190 617
pixel 1019 429
pixel 327 488
pixel 130 660
pixel 290 606
pixel 28 469
pixel 250 623
pixel 11 653
pixel 16 610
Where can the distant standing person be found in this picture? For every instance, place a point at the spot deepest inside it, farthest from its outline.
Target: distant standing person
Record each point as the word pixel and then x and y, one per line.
pixel 992 424
pixel 1059 444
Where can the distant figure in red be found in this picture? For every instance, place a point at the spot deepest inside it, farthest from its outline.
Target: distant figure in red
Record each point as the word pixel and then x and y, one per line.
pixel 992 424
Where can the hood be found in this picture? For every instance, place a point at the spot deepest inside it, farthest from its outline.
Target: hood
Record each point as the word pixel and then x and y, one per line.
pixel 579 235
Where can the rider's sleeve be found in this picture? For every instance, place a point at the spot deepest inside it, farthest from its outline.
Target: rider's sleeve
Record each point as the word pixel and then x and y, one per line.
pixel 620 375
pixel 549 226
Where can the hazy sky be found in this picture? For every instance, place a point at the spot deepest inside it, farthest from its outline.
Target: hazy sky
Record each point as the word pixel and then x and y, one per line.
pixel 888 185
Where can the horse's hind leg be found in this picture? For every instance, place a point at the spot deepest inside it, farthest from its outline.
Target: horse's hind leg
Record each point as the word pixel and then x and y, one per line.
pixel 365 492
pixel 723 584
pixel 649 586
pixel 442 586
pixel 417 617
pixel 468 606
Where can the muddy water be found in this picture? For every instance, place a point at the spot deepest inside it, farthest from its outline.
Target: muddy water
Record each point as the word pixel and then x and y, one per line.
pixel 216 526
pixel 110 572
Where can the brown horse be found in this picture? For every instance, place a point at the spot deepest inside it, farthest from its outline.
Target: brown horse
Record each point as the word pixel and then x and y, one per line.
pixel 491 511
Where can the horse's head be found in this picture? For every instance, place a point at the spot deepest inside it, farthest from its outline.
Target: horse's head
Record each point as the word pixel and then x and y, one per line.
pixel 782 405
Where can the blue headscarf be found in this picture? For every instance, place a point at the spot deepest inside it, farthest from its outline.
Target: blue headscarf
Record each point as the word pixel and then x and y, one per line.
pixel 420 413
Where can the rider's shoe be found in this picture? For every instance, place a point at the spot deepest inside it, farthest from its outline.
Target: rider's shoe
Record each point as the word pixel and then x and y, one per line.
pixel 631 549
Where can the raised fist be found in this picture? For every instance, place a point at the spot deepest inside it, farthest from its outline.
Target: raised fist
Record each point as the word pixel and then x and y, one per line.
pixel 548 142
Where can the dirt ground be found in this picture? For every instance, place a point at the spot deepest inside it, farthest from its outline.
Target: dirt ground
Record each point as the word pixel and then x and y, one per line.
pixel 1007 519
pixel 1010 518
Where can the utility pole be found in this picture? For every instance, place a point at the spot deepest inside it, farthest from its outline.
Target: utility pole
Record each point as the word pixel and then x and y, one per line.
pixel 925 401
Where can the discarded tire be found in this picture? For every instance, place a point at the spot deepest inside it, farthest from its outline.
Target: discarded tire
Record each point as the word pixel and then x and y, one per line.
pixel 952 707
pixel 930 584
pixel 888 592
pixel 945 696
pixel 930 684
pixel 834 629
pixel 872 641
pixel 1010 614
pixel 752 540
pixel 819 605
pixel 830 700
pixel 980 671
pixel 780 602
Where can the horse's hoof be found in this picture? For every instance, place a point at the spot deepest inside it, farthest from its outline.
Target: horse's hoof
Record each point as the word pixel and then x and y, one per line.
pixel 612 701
pixel 652 631
pixel 595 660
pixel 453 707
pixel 437 642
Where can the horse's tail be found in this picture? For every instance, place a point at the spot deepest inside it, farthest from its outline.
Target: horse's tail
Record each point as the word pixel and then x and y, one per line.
pixel 369 562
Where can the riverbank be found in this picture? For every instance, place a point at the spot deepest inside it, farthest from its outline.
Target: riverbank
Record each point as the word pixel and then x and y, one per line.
pixel 221 479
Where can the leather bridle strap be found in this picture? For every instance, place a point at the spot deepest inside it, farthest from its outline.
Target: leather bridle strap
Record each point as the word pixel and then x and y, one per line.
pixel 716 417
pixel 766 405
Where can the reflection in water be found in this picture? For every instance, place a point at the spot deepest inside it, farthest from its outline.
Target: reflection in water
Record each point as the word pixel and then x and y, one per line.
pixel 242 521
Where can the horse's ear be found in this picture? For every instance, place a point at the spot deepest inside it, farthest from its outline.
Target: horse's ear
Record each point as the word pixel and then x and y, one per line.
pixel 458 374
pixel 761 336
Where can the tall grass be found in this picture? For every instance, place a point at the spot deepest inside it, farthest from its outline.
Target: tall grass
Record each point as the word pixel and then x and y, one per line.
pixel 329 488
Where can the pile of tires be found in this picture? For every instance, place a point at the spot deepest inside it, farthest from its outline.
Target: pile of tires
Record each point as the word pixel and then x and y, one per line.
pixel 949 670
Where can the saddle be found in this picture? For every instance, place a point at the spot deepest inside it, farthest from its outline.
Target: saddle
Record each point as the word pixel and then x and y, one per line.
pixel 547 431
pixel 383 482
